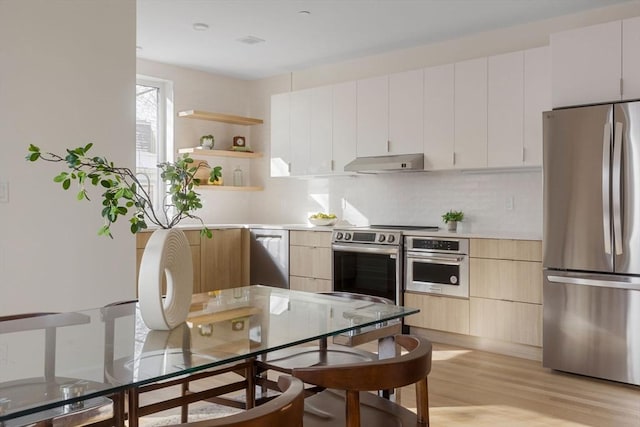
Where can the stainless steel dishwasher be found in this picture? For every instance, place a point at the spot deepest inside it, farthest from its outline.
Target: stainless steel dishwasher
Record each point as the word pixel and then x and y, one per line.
pixel 269 257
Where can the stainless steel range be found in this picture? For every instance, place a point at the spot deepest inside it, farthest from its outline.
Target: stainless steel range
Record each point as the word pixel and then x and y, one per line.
pixel 370 260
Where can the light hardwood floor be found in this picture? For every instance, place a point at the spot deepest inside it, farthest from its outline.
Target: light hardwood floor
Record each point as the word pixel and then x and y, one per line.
pixel 475 388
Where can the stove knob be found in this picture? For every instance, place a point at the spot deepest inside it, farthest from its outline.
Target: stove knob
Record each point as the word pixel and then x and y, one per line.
pixel 391 238
pixel 381 238
pixel 347 236
pixel 338 236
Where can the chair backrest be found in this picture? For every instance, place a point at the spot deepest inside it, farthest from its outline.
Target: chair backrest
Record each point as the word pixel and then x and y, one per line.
pixel 285 410
pixel 409 368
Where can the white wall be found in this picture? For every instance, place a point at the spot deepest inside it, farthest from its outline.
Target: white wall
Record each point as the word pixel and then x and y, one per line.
pixel 414 198
pixel 67 77
pixel 196 90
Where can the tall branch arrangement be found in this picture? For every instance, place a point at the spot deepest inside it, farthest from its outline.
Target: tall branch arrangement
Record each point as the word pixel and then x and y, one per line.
pixel 124 195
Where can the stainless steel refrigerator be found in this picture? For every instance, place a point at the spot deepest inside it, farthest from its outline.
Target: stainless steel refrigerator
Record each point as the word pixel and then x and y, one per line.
pixel 591 242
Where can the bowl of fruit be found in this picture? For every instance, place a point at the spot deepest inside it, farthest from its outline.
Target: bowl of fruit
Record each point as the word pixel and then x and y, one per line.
pixel 323 219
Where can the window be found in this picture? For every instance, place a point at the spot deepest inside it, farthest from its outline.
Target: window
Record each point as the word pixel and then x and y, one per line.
pixel 153 130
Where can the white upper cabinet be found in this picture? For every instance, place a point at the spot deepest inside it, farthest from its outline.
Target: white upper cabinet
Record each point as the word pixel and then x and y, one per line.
pixel 406 112
pixel 344 125
pixel 280 135
pixel 631 58
pixel 372 116
pixel 300 131
pixel 321 127
pixel 586 65
pixel 438 117
pixel 537 98
pixel 470 106
pixel 505 110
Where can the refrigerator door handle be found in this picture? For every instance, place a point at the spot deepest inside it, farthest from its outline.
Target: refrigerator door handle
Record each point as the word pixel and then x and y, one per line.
pixel 616 187
pixel 606 172
pixel 630 283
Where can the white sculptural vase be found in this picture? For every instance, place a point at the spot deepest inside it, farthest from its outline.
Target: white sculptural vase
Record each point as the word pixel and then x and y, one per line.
pixel 167 255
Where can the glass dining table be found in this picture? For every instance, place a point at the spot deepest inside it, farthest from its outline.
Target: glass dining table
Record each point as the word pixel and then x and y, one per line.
pixel 110 351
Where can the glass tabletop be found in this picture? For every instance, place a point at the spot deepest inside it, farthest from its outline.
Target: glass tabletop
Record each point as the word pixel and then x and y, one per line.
pixel 110 349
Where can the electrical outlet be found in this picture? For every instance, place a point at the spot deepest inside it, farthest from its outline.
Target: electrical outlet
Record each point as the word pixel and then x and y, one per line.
pixel 4 192
pixel 508 204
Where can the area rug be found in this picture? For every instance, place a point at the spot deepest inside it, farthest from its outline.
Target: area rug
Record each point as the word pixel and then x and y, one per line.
pixel 201 413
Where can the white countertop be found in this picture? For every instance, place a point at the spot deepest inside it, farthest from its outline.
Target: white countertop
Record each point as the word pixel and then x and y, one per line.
pixel 482 234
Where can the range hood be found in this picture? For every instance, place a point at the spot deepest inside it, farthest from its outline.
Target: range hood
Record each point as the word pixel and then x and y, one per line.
pixel 377 164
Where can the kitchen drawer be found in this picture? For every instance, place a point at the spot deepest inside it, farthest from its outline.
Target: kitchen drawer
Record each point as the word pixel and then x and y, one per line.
pixel 506 280
pixel 307 261
pixel 440 313
pixel 509 321
pixel 522 250
pixel 309 284
pixel 320 239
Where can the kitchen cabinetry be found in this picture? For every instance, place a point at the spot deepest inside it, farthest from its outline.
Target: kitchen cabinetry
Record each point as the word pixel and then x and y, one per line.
pixel 537 99
pixel 505 110
pixel 470 113
pixel 344 125
pixel 281 134
pixel 439 313
pixel 599 63
pixel 439 111
pixel 310 261
pixel 390 114
pixel 506 290
pixel 218 263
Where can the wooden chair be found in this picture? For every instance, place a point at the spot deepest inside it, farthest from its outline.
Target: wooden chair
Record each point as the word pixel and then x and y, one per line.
pixel 345 402
pixel 286 360
pixel 285 410
pixel 26 392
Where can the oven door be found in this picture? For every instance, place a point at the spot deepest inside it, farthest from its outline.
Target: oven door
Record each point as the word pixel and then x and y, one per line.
pixel 437 273
pixel 368 269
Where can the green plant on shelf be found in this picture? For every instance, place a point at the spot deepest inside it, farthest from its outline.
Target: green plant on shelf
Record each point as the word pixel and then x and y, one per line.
pixel 452 215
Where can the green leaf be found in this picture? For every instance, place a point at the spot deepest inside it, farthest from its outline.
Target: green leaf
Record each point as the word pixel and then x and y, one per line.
pixel 61 177
pixel 66 184
pixel 82 195
pixel 106 183
pixel 33 157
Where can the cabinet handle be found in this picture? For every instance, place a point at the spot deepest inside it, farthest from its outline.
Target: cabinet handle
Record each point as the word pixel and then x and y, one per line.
pixel 332 165
pixel 522 154
pixel 621 87
pixel 453 158
pixel 289 167
pixel 388 146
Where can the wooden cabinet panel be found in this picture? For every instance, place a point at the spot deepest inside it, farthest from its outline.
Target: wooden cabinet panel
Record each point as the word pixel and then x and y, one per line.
pixel 523 250
pixel 441 313
pixel 586 65
pixel 222 260
pixel 505 110
pixel 320 239
pixel 470 107
pixel 309 284
pixel 310 261
pixel 438 117
pixel 505 320
pixel 537 98
pixel 506 280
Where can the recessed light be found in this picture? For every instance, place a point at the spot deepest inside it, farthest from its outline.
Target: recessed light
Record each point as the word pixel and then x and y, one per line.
pixel 200 26
pixel 251 40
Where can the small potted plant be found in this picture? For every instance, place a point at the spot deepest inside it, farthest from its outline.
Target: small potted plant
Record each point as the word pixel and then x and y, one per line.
pixel 206 142
pixel 451 218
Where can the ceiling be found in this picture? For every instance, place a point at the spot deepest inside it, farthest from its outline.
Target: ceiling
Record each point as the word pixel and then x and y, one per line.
pixel 299 34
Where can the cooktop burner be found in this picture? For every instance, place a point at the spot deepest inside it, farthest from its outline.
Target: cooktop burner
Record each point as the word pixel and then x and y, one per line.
pixel 405 227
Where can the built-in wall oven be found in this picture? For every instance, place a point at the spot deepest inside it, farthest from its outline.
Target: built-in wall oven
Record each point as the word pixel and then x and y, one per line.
pixel 437 265
pixel 368 262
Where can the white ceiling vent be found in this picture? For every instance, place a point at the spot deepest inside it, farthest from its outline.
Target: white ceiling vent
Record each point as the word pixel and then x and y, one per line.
pixel 250 40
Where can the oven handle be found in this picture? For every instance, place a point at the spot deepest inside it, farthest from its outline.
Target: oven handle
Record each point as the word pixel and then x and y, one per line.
pixel 368 249
pixel 438 260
